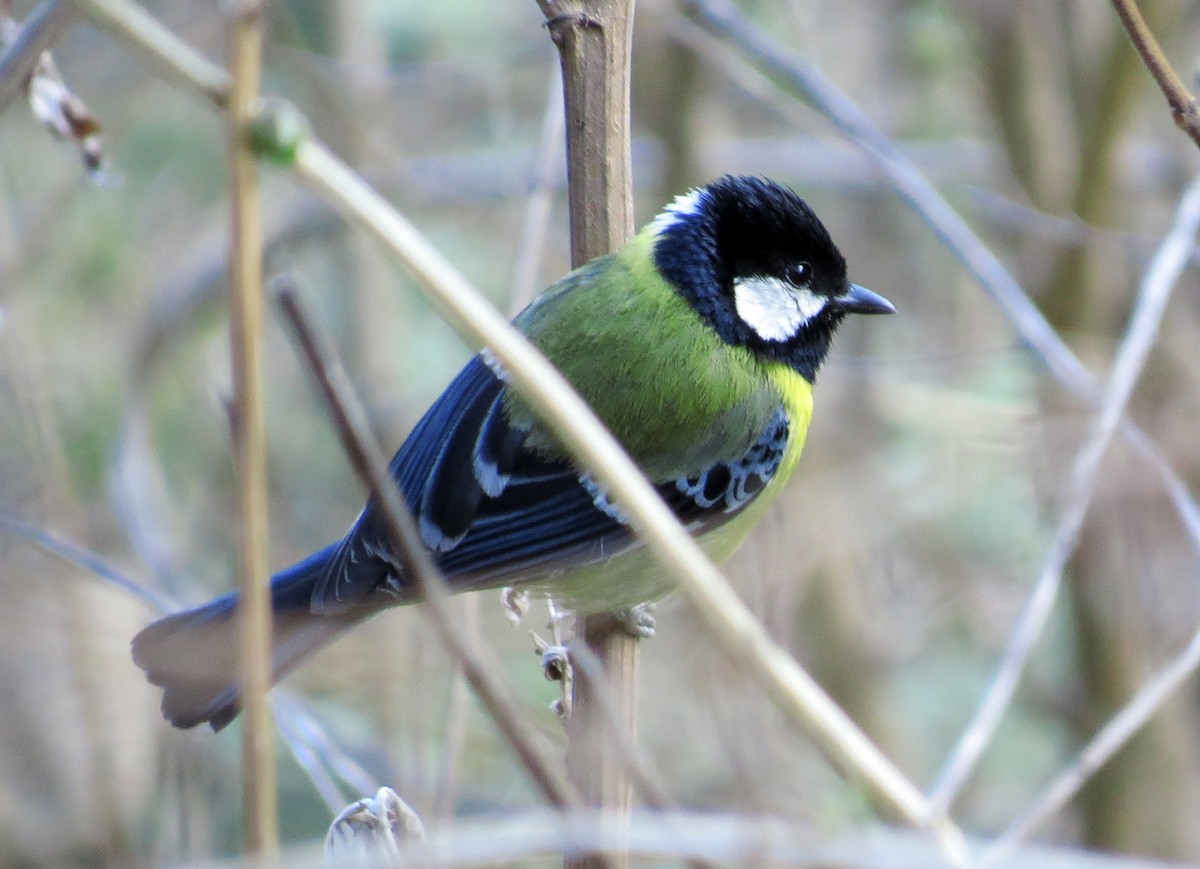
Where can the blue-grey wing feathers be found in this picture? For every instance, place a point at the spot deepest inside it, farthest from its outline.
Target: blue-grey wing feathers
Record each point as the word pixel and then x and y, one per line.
pixel 729 486
pixel 492 510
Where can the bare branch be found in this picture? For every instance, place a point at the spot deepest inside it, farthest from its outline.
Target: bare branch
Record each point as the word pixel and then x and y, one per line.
pixel 244 38
pixel 1169 262
pixel 44 27
pixel 541 199
pixel 1179 98
pixel 72 553
pixel 723 838
pixel 1107 742
pixel 1156 288
pixel 308 759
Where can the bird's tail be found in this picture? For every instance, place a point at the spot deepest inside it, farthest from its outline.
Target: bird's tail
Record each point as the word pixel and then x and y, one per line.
pixel 193 655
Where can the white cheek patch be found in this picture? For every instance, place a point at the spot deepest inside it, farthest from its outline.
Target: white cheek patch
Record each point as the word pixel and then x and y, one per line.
pixel 685 205
pixel 773 308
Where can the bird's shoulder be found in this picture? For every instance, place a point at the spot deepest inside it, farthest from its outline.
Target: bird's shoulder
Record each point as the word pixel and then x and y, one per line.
pixel 672 391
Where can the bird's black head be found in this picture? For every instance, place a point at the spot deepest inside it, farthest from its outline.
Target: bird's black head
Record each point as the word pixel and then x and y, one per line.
pixel 759 266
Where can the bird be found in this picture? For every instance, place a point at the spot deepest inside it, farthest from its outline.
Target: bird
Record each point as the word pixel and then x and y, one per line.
pixel 697 344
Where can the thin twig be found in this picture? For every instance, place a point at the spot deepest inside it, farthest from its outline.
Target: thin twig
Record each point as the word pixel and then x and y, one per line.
pixel 541 199
pixel 309 760
pixel 669 838
pixel 1160 279
pixel 730 623
pixel 319 756
pixel 454 734
pixel 44 27
pixel 301 720
pixel 86 560
pixel 353 429
pixel 1179 98
pixel 244 32
pixel 173 58
pixel 1107 742
pixel 1156 289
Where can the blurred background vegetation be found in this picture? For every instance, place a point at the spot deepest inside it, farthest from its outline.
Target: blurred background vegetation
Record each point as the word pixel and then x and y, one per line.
pixel 894 565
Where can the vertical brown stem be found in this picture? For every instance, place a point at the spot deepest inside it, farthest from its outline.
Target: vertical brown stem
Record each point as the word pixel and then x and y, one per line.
pixel 594 41
pixel 244 49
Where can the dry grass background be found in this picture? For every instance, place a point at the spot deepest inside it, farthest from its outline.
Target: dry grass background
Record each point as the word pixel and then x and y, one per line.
pixel 894 565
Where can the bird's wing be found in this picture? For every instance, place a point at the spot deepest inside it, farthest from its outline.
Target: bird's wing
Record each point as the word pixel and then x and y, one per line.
pixel 489 506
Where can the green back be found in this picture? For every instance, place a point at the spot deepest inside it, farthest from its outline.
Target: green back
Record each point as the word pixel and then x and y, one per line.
pixel 665 384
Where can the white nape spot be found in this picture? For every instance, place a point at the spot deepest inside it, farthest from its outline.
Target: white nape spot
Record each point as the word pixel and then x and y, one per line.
pixel 774 308
pixel 685 204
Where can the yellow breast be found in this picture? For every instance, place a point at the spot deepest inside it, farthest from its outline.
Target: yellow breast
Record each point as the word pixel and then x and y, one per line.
pixel 634 576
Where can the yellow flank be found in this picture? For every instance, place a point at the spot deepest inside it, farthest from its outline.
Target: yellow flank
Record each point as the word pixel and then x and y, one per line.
pixel 635 576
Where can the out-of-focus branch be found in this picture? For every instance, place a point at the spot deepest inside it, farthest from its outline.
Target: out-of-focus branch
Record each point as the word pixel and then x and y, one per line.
pixel 541 199
pixel 308 760
pixel 1179 98
pixel 1164 271
pixel 44 27
pixel 84 559
pixel 244 38
pixel 318 755
pixel 668 838
pixel 171 57
pixel 1160 279
pixel 1108 741
pixel 354 431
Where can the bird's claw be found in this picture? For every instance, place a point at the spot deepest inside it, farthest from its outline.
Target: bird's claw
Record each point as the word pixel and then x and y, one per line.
pixel 638 621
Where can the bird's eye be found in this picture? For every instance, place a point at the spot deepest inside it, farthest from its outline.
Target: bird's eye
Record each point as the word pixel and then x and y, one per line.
pixel 798 275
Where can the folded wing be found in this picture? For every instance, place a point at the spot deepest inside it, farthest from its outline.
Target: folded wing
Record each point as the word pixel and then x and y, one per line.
pixel 493 510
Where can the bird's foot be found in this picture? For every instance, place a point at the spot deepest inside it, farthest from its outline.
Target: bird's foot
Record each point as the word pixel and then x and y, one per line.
pixel 638 621
pixel 516 604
